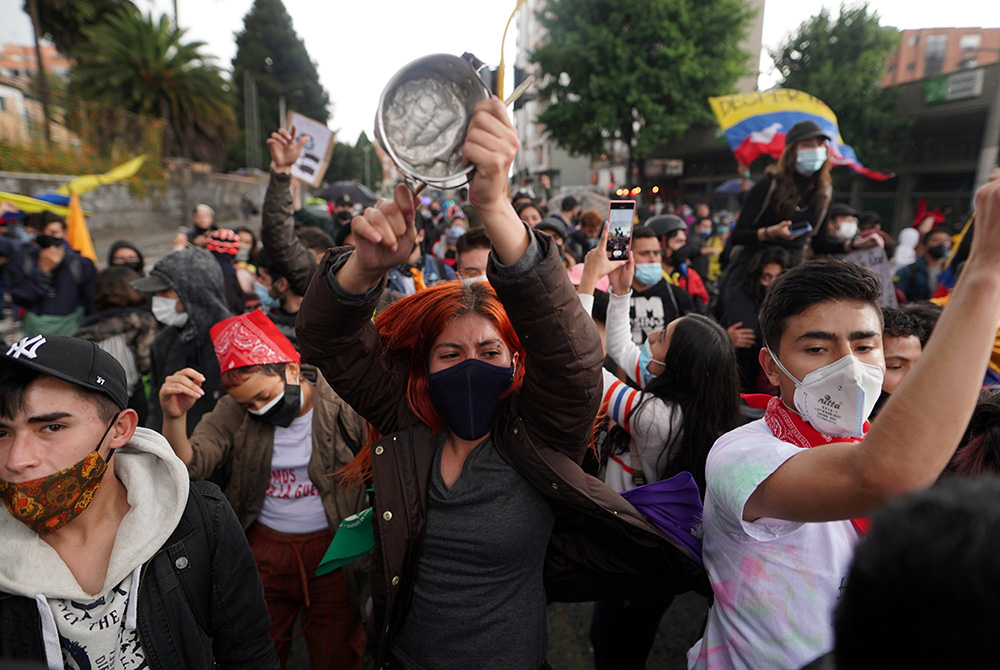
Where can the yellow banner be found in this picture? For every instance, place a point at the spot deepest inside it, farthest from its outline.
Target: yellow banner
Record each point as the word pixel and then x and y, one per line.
pixel 89 182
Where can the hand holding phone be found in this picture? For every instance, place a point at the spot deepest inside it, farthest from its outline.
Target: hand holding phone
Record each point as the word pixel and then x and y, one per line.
pixel 621 214
pixel 800 227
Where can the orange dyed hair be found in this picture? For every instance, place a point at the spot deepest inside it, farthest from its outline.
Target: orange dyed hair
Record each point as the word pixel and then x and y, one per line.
pixel 409 328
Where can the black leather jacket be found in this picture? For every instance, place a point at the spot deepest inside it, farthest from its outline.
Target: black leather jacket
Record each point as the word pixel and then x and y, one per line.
pixel 223 623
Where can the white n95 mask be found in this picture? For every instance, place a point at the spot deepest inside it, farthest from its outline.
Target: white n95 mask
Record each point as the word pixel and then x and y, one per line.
pixel 838 398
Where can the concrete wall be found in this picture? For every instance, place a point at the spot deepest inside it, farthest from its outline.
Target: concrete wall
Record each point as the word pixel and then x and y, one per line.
pixel 113 206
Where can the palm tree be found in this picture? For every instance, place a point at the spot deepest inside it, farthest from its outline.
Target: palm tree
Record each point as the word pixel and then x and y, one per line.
pixel 134 63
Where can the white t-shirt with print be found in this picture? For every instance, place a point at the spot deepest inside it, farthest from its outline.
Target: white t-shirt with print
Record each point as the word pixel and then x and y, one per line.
pixel 292 503
pixel 94 633
pixel 776 582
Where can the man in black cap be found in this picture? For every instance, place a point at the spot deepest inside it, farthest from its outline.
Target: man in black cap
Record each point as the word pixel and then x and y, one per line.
pixel 870 225
pixel 839 234
pixel 111 562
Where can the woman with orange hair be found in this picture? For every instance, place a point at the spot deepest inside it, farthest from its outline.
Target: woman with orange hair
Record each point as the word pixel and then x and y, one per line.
pixel 482 398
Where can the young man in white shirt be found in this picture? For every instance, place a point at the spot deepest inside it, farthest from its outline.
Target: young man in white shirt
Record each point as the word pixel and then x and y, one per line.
pixel 787 495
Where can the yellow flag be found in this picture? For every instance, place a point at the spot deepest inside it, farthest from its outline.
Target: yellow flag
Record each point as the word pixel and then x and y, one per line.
pixel 89 182
pixel 77 234
pixel 30 205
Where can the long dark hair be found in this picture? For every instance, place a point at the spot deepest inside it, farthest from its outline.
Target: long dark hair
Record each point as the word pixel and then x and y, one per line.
pixel 979 451
pixel 786 196
pixel 755 268
pixel 701 378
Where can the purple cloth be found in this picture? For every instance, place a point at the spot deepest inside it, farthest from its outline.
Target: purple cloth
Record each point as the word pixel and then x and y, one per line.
pixel 674 506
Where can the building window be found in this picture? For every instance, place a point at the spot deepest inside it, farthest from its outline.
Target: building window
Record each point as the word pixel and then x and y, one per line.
pixel 934 54
pixel 914 40
pixel 3 105
pixel 892 69
pixel 911 67
pixel 970 42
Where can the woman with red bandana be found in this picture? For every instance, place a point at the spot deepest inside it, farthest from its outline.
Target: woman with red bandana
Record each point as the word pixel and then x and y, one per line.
pixel 283 433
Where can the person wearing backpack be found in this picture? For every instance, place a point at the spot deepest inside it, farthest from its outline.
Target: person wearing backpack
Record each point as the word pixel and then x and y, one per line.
pixel 111 558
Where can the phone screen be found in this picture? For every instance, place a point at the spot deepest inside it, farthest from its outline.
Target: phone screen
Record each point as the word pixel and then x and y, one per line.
pixel 621 213
pixel 800 227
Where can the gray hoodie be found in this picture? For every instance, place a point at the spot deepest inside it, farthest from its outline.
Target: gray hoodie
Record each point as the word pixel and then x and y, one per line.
pixel 195 275
pixel 157 484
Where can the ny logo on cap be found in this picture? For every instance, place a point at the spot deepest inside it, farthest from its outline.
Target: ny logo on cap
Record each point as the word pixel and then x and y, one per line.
pixel 27 347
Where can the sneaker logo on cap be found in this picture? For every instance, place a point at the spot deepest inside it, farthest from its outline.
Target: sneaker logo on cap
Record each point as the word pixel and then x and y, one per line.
pixel 27 347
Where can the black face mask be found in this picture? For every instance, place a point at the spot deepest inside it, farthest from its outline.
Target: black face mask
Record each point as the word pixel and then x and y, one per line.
pixel 937 251
pixel 46 241
pixel 467 396
pixel 678 257
pixel 284 410
pixel 345 216
pixel 133 265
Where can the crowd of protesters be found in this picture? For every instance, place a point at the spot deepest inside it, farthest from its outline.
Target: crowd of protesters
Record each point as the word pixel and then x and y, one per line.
pixel 515 419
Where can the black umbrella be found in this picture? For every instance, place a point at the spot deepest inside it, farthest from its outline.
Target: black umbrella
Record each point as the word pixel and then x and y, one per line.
pixel 358 192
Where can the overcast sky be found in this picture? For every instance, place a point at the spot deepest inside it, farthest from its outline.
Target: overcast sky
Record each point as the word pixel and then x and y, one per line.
pixel 358 46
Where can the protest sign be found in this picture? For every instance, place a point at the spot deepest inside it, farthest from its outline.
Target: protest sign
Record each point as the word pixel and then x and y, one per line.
pixel 876 260
pixel 312 164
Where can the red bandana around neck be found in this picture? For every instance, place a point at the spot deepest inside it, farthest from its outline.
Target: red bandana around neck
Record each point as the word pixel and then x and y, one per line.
pixel 789 427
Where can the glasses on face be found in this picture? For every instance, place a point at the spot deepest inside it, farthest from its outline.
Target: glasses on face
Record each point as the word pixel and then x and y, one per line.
pixel 118 260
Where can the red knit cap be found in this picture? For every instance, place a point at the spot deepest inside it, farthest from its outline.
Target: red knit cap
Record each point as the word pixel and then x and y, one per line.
pixel 250 339
pixel 224 241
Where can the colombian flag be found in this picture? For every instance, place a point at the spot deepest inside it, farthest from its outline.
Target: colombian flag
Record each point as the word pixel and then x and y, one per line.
pixel 755 125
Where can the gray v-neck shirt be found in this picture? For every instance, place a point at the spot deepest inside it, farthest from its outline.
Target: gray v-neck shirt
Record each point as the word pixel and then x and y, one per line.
pixel 479 598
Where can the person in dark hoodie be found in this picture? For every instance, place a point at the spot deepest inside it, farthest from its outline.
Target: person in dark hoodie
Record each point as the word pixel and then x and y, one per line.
pixel 126 253
pixel 124 328
pixel 188 299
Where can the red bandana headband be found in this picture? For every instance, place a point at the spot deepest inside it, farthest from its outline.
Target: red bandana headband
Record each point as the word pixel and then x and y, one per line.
pixel 250 339
pixel 790 427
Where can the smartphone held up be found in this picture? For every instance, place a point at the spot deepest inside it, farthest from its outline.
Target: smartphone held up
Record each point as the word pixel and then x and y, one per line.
pixel 621 214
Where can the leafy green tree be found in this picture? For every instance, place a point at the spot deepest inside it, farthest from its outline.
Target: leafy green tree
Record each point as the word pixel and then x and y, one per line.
pixel 635 71
pixel 275 57
pixel 841 61
pixel 143 66
pixel 65 21
pixel 347 163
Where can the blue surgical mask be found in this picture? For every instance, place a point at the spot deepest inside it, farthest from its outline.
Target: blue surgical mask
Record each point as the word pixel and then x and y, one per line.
pixel 265 298
pixel 809 161
pixel 645 358
pixel 648 273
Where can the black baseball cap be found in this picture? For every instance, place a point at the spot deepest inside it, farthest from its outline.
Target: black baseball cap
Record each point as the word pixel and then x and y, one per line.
pixel 151 283
pixel 804 130
pixel 840 209
pixel 76 361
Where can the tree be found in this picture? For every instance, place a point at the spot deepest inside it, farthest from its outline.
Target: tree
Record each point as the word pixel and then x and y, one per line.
pixel 841 62
pixel 66 21
pixel 635 71
pixel 144 66
pixel 347 163
pixel 270 52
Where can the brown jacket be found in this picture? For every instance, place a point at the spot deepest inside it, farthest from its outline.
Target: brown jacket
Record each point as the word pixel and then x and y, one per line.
pixel 338 431
pixel 601 546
